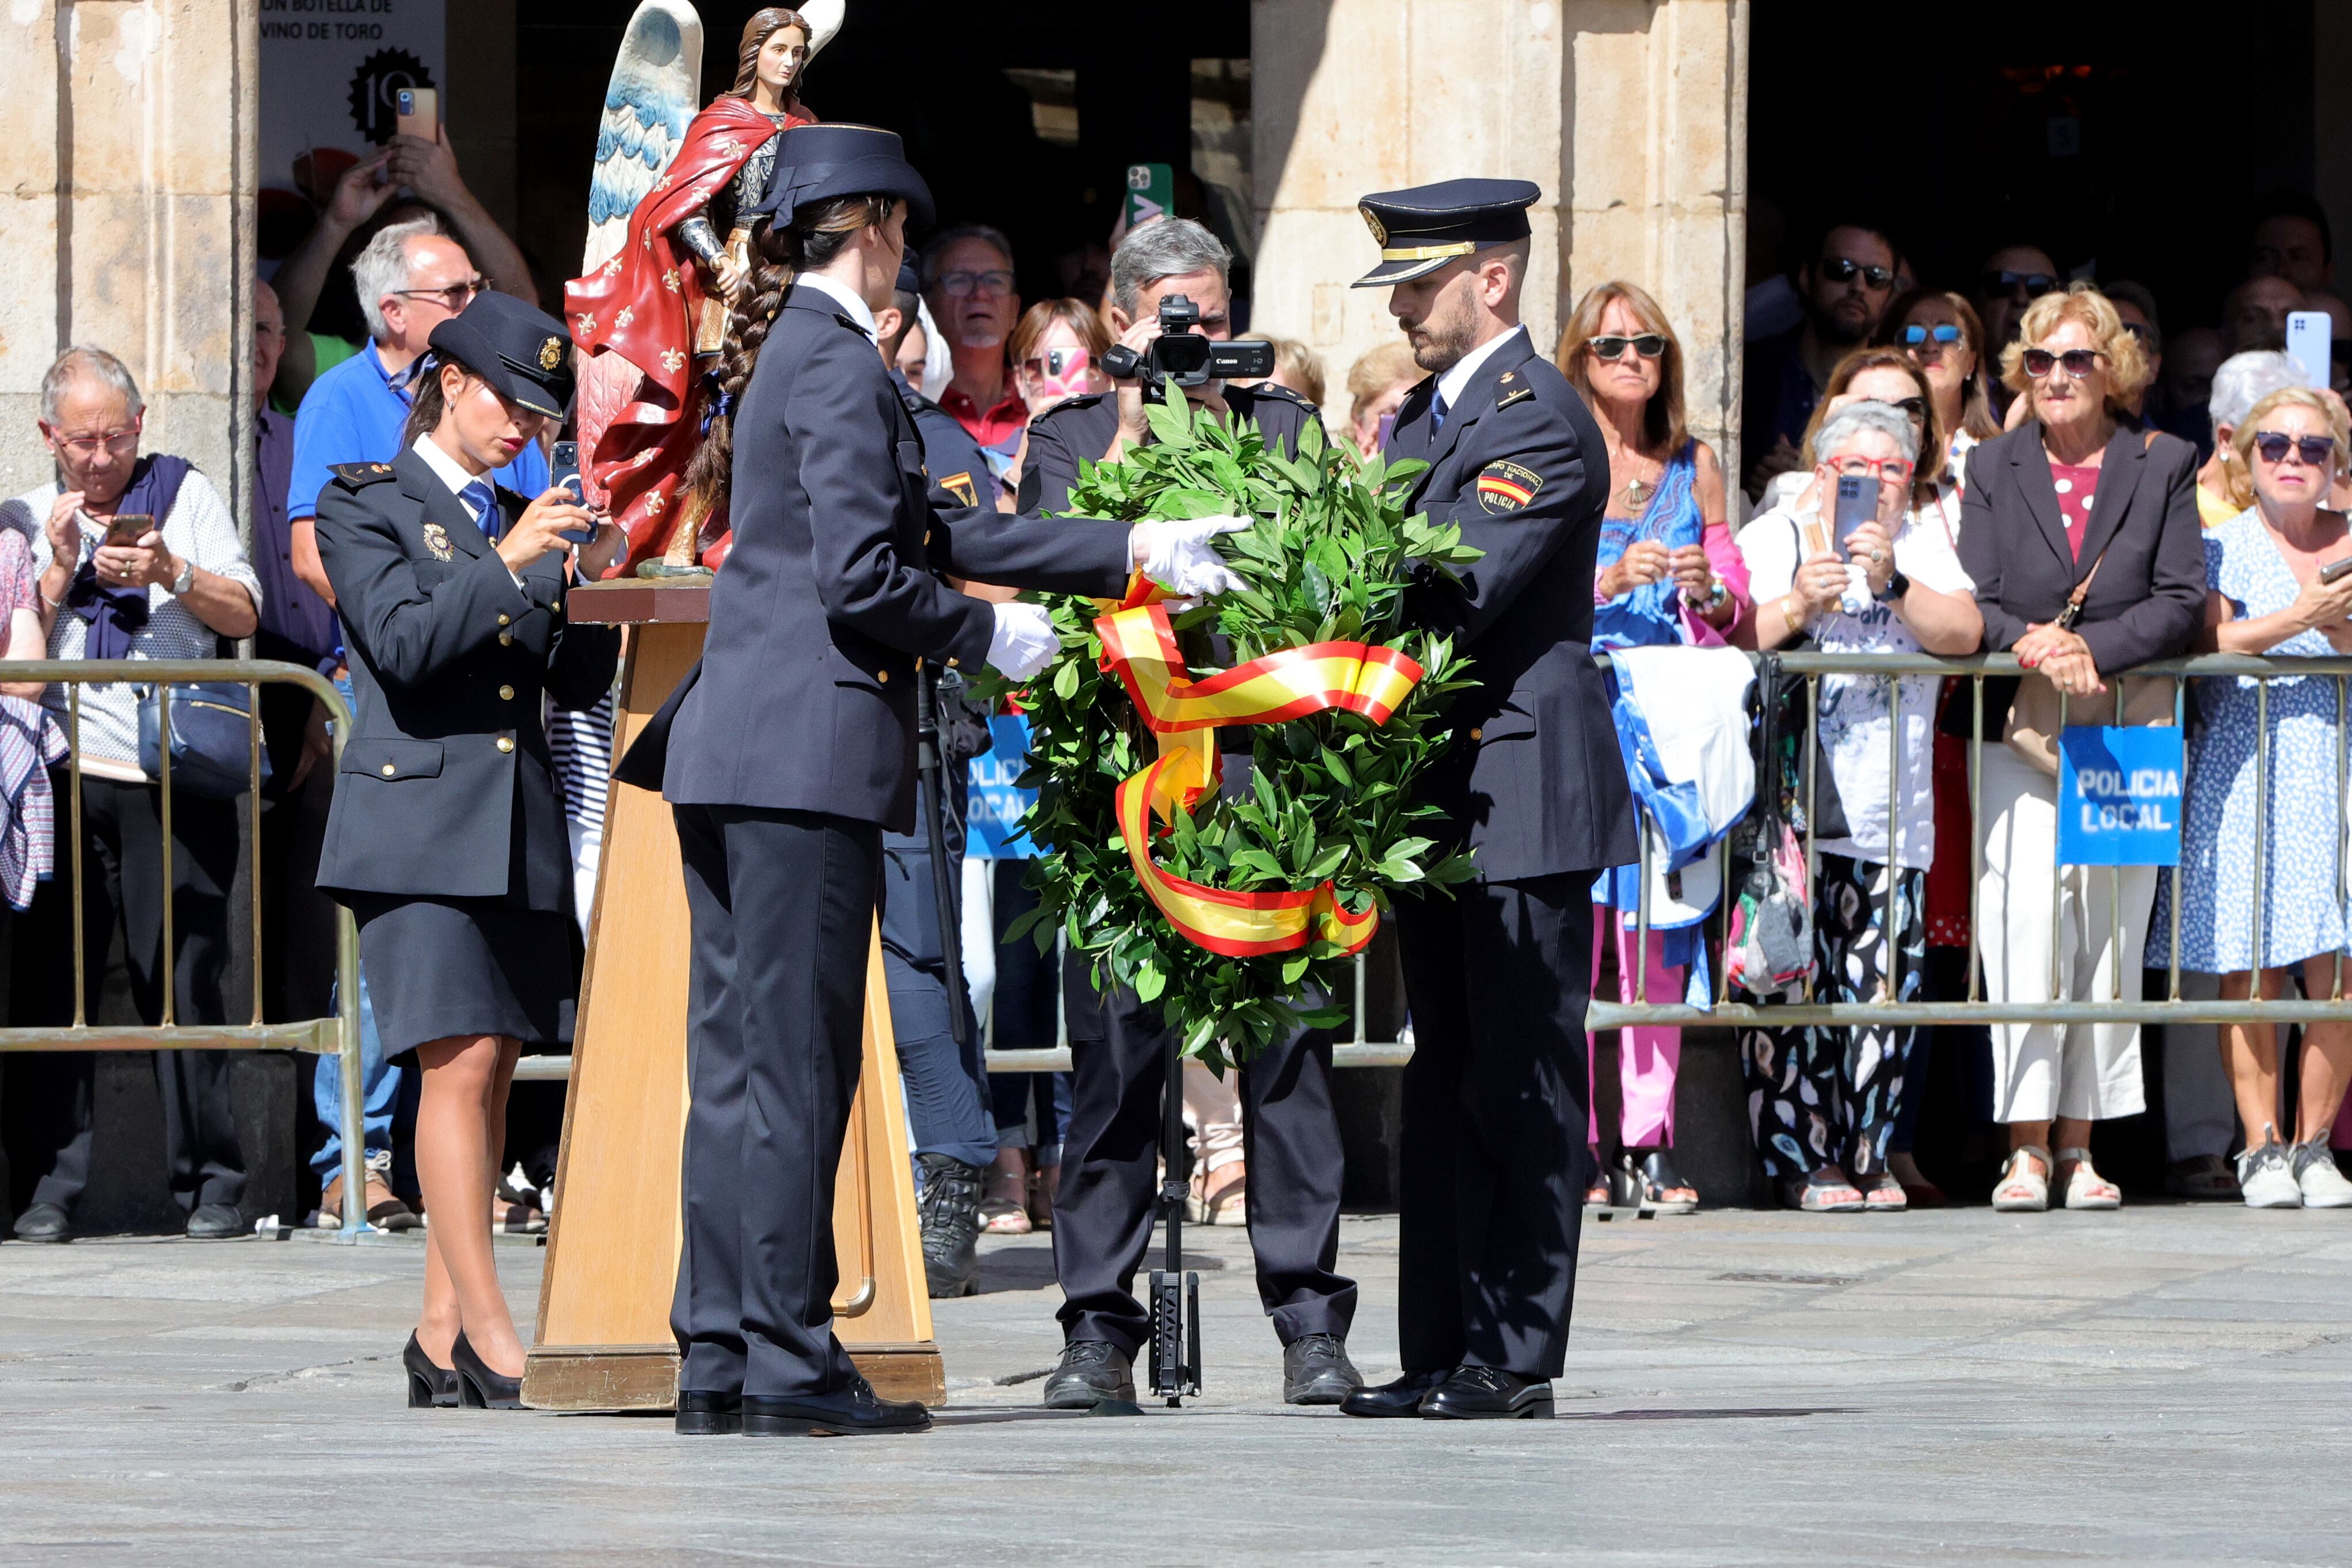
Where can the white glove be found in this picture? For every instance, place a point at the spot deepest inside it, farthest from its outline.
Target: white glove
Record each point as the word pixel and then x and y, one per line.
pixel 1024 642
pixel 1180 557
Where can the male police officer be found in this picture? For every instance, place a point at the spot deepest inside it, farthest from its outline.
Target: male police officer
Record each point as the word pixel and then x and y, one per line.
pixel 1493 1142
pixel 1119 1045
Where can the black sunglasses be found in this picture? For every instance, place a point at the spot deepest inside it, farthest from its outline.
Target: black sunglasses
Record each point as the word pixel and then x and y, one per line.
pixel 1945 335
pixel 2079 362
pixel 2035 283
pixel 1838 269
pixel 1649 345
pixel 2319 451
pixel 1916 408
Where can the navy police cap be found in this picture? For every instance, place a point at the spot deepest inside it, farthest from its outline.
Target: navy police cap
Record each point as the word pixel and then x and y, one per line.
pixel 519 349
pixel 818 162
pixel 1421 230
pixel 910 275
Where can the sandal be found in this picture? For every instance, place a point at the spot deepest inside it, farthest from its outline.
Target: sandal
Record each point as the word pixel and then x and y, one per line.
pixel 1227 1205
pixel 2022 1191
pixel 1820 1191
pixel 1922 1193
pixel 1596 1197
pixel 1663 1189
pixel 2085 1188
pixel 1885 1194
pixel 1045 1183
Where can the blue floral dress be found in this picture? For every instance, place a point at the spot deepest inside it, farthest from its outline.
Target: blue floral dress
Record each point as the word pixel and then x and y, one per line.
pixel 2303 912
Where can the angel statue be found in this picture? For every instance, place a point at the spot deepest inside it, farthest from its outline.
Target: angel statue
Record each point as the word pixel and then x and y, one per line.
pixel 651 309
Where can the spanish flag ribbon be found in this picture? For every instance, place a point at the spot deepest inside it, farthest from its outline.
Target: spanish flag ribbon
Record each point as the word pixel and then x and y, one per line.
pixel 1139 647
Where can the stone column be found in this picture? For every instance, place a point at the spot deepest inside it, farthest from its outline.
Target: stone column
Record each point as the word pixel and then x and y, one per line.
pixel 129 125
pixel 1630 114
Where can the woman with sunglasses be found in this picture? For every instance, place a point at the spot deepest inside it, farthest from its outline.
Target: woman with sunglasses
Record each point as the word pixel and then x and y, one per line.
pixel 2265 597
pixel 1942 333
pixel 1666 572
pixel 1877 375
pixel 2082 539
pixel 1056 352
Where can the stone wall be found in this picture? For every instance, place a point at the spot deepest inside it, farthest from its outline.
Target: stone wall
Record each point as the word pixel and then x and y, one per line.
pixel 129 216
pixel 1629 113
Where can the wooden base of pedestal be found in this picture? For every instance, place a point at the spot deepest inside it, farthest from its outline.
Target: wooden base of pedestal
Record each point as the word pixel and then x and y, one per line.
pixel 603 1340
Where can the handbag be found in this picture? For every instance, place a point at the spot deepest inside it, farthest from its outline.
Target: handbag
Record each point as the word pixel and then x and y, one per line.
pixel 212 738
pixel 2034 713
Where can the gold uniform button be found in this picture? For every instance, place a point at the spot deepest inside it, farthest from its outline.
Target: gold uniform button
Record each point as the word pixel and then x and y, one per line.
pixel 1477 734
pixel 505 693
pixel 883 676
pixel 506 639
pixel 506 742
pixel 951 661
pixel 389 770
pixel 505 621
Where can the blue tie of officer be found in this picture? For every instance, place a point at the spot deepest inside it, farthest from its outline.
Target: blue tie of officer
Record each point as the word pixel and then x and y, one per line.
pixel 484 498
pixel 1437 412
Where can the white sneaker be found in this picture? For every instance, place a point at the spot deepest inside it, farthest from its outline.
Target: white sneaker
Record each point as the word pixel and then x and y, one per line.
pixel 2266 1178
pixel 2324 1186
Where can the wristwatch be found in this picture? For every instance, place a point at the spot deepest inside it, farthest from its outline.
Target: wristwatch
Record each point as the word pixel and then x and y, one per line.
pixel 187 579
pixel 1898 585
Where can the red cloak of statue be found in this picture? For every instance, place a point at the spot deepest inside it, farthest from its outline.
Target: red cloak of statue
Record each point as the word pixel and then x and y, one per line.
pixel 640 308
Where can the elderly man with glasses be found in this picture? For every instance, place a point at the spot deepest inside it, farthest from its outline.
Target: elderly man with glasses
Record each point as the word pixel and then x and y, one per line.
pixel 968 282
pixel 410 277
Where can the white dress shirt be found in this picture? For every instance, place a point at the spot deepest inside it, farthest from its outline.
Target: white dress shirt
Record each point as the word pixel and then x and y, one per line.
pixel 1450 385
pixel 856 308
pixel 451 472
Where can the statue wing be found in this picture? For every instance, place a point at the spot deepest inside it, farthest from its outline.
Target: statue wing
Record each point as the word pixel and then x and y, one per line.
pixel 824 18
pixel 657 87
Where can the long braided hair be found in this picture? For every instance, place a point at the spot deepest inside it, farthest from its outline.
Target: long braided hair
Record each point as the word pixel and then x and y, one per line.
pixel 817 234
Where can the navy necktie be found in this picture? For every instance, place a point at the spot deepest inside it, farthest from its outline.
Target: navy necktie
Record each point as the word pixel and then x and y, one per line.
pixel 484 498
pixel 1437 412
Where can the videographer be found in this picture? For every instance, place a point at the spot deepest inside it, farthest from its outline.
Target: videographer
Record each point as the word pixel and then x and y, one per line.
pixel 1160 261
pixel 1118 1044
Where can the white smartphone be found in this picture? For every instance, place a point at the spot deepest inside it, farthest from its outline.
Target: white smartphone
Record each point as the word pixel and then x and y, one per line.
pixel 2307 335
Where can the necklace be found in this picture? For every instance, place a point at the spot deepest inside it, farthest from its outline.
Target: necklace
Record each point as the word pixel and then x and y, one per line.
pixel 1638 492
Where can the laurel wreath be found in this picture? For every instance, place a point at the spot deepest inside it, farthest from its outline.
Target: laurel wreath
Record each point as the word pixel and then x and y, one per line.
pixel 1332 796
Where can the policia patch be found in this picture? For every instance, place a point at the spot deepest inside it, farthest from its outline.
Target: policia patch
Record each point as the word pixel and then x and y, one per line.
pixel 1507 486
pixel 960 487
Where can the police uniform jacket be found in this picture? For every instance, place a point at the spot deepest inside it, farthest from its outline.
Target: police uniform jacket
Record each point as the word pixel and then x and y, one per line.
pixel 1080 429
pixel 804 700
pixel 1534 776
pixel 953 458
pixel 446 788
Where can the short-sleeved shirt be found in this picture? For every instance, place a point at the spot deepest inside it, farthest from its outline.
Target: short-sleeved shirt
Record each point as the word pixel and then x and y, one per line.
pixel 1852 723
pixel 353 414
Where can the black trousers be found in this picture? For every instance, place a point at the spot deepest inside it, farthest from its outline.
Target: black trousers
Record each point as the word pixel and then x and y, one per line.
pixel 1103 1210
pixel 783 907
pixel 122 869
pixel 1493 1154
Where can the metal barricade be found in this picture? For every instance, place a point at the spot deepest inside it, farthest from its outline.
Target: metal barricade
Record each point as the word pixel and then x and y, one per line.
pixel 2117 1008
pixel 338 1036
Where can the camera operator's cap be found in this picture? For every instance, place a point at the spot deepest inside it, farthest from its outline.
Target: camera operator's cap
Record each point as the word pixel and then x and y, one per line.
pixel 1421 230
pixel 518 349
pixel 817 163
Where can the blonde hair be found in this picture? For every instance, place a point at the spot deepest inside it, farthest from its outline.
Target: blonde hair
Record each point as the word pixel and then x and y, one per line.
pixel 1299 368
pixel 1933 437
pixel 1664 425
pixel 1376 371
pixel 2128 373
pixel 2242 436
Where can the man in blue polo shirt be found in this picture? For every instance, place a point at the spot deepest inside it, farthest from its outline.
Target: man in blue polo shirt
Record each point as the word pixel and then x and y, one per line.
pixel 410 277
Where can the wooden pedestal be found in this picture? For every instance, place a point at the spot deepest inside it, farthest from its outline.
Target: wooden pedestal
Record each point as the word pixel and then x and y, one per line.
pixel 604 1340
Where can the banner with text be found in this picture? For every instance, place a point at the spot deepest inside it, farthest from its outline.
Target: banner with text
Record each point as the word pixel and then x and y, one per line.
pixel 329 71
pixel 2119 797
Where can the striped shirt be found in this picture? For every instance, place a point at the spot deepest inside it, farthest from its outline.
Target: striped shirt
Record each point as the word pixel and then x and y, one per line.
pixel 581 745
pixel 199 529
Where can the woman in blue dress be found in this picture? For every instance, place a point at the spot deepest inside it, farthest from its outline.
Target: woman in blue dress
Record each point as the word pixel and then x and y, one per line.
pixel 2265 597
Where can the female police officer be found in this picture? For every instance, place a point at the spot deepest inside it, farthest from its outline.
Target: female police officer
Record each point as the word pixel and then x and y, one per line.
pixel 793 747
pixel 446 839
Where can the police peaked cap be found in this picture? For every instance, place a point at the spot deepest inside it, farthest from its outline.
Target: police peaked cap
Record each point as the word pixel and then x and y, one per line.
pixel 1421 230
pixel 519 349
pixel 818 162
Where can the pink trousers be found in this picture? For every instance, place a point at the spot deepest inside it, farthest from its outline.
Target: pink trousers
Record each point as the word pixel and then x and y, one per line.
pixel 1646 1058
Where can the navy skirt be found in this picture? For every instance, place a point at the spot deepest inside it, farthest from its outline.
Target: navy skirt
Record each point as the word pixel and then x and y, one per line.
pixel 440 967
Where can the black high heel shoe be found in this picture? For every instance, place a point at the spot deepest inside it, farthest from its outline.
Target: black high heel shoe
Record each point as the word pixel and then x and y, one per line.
pixel 480 1388
pixel 430 1384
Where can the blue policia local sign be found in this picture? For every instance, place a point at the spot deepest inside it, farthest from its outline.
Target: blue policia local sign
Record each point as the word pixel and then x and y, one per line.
pixel 2118 796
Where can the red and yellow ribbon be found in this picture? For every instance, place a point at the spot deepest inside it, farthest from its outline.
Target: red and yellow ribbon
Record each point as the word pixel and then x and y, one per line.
pixel 1139 647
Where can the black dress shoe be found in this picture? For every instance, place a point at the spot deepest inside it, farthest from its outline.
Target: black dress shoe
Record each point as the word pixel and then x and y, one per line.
pixel 1401 1397
pixel 480 1388
pixel 44 1222
pixel 430 1384
pixel 855 1411
pixel 1489 1393
pixel 1316 1370
pixel 709 1414
pixel 950 1225
pixel 1091 1371
pixel 215 1222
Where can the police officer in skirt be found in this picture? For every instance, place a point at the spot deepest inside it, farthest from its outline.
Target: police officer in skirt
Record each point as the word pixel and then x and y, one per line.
pixel 446 837
pixel 1492 1146
pixel 790 747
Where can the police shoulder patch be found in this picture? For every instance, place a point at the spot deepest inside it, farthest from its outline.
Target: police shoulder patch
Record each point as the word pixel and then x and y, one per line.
pixel 355 476
pixel 1505 487
pixel 960 487
pixel 1510 389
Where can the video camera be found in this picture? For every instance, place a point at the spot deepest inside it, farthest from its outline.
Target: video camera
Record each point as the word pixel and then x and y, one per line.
pixel 1179 356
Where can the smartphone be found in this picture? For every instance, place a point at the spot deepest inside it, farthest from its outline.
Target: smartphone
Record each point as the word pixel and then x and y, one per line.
pixel 1857 503
pixel 2334 569
pixel 2307 335
pixel 1151 192
pixel 417 112
pixel 564 471
pixel 127 528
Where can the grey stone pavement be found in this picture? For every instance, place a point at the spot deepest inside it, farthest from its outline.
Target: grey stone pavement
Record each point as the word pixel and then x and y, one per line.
pixel 2162 1385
